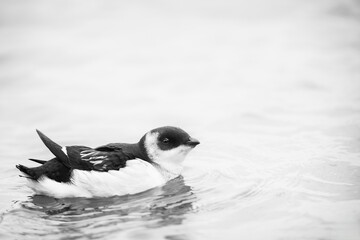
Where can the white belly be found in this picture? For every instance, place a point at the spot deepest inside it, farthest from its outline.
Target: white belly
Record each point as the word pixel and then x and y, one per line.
pixel 136 177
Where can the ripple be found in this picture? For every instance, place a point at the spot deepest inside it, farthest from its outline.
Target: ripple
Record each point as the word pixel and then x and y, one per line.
pixel 78 217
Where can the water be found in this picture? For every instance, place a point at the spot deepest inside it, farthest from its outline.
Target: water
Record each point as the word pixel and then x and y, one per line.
pixel 271 89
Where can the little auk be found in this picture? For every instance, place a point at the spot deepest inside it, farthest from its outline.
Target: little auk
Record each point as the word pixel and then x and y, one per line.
pixel 111 169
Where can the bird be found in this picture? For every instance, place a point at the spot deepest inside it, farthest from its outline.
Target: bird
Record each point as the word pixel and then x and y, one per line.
pixel 113 169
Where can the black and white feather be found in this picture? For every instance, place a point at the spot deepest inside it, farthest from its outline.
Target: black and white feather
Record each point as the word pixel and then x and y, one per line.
pixel 111 169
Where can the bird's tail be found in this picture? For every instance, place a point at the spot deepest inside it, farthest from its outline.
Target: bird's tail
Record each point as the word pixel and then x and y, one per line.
pixel 30 173
pixel 37 160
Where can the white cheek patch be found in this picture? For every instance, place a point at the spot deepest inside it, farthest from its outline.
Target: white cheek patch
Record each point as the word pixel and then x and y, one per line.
pixel 167 159
pixel 176 155
pixel 151 145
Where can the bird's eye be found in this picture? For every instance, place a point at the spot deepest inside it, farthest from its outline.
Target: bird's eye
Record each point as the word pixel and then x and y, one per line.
pixel 165 140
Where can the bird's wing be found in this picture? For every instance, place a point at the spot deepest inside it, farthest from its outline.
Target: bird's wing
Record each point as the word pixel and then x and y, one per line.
pixel 104 158
pixel 99 159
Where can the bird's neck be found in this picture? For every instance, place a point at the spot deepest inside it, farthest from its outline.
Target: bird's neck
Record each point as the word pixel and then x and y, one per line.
pixel 136 150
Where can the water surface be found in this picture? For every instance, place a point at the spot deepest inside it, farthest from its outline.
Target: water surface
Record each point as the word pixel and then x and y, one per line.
pixel 271 89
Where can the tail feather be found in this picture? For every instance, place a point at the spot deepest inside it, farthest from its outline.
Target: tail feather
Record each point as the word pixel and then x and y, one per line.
pixel 29 172
pixel 57 168
pixel 37 160
pixel 26 177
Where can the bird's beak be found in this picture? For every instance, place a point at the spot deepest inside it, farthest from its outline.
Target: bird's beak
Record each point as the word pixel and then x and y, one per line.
pixel 192 142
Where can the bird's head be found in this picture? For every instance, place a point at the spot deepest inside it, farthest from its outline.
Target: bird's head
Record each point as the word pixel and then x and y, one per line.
pixel 168 146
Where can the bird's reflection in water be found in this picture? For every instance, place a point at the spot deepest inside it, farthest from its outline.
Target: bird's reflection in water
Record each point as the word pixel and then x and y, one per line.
pixel 79 217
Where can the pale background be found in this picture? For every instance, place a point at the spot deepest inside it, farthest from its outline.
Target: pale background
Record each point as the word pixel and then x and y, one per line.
pixel 270 88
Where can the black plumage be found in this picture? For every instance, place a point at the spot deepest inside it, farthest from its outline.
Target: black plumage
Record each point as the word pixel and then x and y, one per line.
pixel 38 160
pixel 112 156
